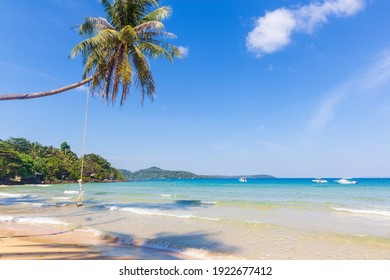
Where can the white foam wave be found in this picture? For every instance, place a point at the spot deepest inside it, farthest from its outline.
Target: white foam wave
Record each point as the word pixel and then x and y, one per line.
pixel 157 212
pixel 151 212
pixel 15 195
pixel 207 218
pixel 6 218
pixel 166 195
pixel 36 204
pixel 61 197
pixel 364 211
pixel 33 220
pixel 254 222
pixel 205 202
pixel 41 185
pixel 92 231
pixel 40 220
pixel 72 192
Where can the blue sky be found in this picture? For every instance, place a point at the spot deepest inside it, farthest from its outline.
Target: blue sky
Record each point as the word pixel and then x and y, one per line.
pixel 287 88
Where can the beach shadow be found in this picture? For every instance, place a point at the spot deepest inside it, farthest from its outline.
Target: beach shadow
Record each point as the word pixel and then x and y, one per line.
pixel 107 222
pixel 8 201
pixel 196 240
pixel 176 204
pixel 164 246
pixel 41 234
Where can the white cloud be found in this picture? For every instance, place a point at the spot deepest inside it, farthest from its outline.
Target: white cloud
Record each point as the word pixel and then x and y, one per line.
pixel 373 76
pixel 273 31
pixel 326 110
pixel 379 73
pixel 184 51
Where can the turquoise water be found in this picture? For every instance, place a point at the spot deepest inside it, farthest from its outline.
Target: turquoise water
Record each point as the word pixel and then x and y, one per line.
pixel 219 218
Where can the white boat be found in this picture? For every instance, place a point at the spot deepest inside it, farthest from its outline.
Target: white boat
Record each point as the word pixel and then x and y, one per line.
pixel 320 181
pixel 346 181
pixel 242 180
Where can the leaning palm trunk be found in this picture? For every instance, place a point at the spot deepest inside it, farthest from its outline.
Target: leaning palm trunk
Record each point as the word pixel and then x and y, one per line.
pixel 44 93
pixel 116 51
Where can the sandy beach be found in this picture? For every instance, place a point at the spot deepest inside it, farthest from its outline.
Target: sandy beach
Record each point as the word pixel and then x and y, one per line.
pixel 19 242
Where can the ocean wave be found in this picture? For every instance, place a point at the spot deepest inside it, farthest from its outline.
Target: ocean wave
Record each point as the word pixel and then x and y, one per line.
pixel 254 222
pixel 62 197
pixel 16 195
pixel 61 204
pixel 6 218
pixel 32 220
pixel 158 212
pixel 164 245
pixel 92 231
pixel 166 195
pixel 72 192
pixel 150 212
pixel 205 202
pixel 41 185
pixel 364 211
pixel 36 204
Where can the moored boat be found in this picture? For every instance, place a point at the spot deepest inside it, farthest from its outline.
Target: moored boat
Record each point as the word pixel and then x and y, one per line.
pixel 242 180
pixel 346 181
pixel 319 181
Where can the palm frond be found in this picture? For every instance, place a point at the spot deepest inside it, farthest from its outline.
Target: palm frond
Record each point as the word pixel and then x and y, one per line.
pixel 128 35
pixel 108 9
pixel 159 14
pixel 154 51
pixel 172 49
pixel 149 25
pixel 91 26
pixel 125 71
pixel 153 35
pixel 144 77
pixel 103 38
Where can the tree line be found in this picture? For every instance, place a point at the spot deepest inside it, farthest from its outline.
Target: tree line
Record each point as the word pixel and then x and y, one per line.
pixel 25 161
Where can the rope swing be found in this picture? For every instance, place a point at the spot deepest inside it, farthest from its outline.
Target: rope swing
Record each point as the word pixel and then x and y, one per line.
pixel 80 181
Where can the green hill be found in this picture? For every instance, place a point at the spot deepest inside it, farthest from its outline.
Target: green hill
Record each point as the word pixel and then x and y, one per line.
pixel 156 173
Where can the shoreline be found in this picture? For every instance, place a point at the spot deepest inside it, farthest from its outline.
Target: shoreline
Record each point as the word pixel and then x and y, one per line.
pixel 166 220
pixel 65 182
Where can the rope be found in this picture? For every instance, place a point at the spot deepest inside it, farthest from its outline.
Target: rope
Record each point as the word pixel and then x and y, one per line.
pixel 80 181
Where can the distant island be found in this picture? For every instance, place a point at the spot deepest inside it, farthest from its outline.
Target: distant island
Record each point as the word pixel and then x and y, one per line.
pixel 158 173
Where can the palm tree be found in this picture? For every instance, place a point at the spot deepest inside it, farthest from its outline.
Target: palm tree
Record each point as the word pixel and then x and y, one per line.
pixel 116 51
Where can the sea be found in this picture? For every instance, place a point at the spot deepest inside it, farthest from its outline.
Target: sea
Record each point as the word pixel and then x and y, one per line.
pixel 217 218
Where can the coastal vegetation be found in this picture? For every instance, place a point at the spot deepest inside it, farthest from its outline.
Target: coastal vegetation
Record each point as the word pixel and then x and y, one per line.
pixel 116 49
pixel 22 161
